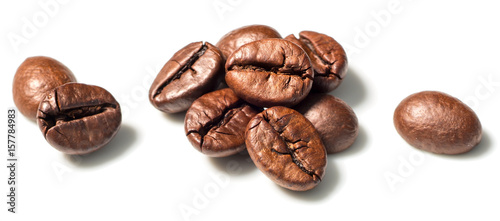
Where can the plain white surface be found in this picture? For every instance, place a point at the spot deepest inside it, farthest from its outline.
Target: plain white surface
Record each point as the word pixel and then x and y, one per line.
pixel 150 171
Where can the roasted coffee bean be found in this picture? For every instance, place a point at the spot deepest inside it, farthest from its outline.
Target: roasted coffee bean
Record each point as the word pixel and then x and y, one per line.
pixel 437 122
pixel 284 145
pixel 238 37
pixel 193 71
pixel 270 72
pixel 34 78
pixel 334 120
pixel 78 118
pixel 328 59
pixel 215 124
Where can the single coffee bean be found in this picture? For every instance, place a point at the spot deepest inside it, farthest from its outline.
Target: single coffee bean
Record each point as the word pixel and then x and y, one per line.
pixel 233 40
pixel 284 145
pixel 437 122
pixel 328 59
pixel 193 71
pixel 34 78
pixel 215 124
pixel 334 120
pixel 78 118
pixel 270 72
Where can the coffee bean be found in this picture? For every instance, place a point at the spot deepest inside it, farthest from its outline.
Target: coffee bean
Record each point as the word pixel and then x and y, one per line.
pixel 233 40
pixel 437 122
pixel 215 124
pixel 328 59
pixel 285 146
pixel 78 118
pixel 193 71
pixel 34 78
pixel 334 120
pixel 270 72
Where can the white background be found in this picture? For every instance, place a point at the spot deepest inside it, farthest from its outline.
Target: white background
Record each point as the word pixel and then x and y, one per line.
pixel 150 171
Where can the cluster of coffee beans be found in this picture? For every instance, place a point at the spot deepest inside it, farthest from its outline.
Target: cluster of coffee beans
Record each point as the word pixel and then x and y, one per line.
pixel 276 106
pixel 74 118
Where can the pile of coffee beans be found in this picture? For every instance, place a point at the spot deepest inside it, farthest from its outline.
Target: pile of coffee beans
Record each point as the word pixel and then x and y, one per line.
pixel 268 108
pixel 74 118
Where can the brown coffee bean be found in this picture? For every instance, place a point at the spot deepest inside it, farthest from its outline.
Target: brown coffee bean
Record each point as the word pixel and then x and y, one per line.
pixel 334 120
pixel 34 78
pixel 193 71
pixel 328 59
pixel 233 40
pixel 285 146
pixel 215 124
pixel 78 118
pixel 270 72
pixel 437 122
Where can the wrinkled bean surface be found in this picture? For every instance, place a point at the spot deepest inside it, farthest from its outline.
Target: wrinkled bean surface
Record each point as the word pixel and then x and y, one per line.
pixel 193 71
pixel 328 59
pixel 270 72
pixel 285 146
pixel 215 124
pixel 78 118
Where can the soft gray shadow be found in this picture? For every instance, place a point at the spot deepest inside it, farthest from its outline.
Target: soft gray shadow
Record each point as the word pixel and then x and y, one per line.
pixel 176 118
pixel 352 89
pixel 480 150
pixel 123 141
pixel 31 121
pixel 358 145
pixel 238 164
pixel 324 188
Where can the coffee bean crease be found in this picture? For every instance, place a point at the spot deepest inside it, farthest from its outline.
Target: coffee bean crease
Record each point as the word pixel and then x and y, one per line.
pixel 328 68
pixel 51 119
pixel 78 118
pixel 280 125
pixel 187 66
pixel 217 122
